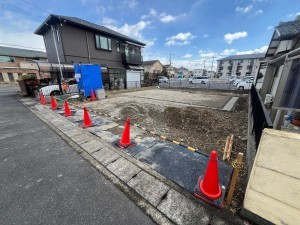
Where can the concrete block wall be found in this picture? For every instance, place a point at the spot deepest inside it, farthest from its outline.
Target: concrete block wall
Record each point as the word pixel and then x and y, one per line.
pixel 273 190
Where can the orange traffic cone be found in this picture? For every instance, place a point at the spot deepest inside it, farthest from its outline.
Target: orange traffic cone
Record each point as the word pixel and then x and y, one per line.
pixel 42 99
pixel 125 141
pixel 67 109
pixel 207 187
pixel 53 103
pixel 93 97
pixel 87 122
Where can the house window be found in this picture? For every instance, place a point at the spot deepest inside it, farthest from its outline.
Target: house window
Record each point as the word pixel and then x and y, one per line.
pixel 103 43
pixel 1 78
pixel 11 77
pixel 4 58
pixel 118 46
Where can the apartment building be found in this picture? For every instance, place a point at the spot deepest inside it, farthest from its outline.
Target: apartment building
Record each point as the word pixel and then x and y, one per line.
pixel 239 65
pixel 15 62
pixel 70 40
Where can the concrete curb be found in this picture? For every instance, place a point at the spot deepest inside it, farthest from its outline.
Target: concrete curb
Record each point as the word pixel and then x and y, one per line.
pixel 170 203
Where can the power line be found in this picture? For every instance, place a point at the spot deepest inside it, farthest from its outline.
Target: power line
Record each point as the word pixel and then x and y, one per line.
pixel 35 6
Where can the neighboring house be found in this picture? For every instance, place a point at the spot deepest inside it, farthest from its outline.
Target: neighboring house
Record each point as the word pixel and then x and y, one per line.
pixel 183 71
pixel 153 67
pixel 276 150
pixel 171 70
pixel 199 72
pixel 70 40
pixel 15 62
pixel 282 78
pixel 239 65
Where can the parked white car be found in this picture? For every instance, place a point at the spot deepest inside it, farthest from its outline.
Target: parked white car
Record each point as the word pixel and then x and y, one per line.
pixel 54 89
pixel 245 85
pixel 162 79
pixel 200 80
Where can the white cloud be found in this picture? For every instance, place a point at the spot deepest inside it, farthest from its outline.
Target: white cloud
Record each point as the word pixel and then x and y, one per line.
pixel 205 35
pixel 180 39
pixel 20 38
pixel 228 51
pixel 258 12
pixel 167 18
pixel 187 56
pixel 109 21
pixel 270 28
pixel 152 13
pixel 263 49
pixel 135 31
pixel 229 38
pixel 244 9
pixel 293 15
pixel 131 3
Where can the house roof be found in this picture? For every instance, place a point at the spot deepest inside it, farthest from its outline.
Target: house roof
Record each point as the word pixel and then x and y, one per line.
pixel 150 62
pixel 8 51
pixel 54 19
pixel 247 56
pixel 288 30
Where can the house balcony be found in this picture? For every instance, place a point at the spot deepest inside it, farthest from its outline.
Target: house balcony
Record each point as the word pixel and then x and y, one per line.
pixel 132 59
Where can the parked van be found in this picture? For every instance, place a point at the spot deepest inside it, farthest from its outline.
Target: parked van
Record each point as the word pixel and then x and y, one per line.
pixel 200 80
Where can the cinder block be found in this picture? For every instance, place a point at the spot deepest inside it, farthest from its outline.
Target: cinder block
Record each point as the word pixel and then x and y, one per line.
pixel 91 146
pixel 148 187
pixel 123 169
pixel 105 156
pixel 183 210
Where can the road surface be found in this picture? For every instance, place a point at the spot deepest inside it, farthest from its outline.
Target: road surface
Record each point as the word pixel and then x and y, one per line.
pixel 44 181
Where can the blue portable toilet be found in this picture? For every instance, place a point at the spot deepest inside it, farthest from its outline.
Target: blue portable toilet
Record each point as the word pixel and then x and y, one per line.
pixel 90 77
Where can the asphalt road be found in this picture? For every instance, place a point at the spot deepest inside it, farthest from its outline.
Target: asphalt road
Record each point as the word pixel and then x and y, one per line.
pixel 44 181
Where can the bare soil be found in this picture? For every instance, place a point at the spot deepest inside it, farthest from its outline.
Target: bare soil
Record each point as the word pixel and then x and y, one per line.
pixel 170 114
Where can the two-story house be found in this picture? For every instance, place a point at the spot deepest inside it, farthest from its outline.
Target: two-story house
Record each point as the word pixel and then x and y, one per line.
pixel 15 62
pixel 153 67
pixel 70 40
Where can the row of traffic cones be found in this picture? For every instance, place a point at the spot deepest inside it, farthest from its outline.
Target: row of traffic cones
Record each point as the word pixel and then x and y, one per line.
pixel 207 187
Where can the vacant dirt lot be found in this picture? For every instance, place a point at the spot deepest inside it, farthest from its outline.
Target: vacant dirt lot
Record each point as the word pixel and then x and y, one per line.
pixel 192 118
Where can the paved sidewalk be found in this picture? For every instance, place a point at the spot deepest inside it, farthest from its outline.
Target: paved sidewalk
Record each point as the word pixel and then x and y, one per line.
pixel 44 181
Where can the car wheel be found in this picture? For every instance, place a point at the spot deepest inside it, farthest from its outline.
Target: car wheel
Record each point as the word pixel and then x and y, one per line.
pixel 54 93
pixel 241 88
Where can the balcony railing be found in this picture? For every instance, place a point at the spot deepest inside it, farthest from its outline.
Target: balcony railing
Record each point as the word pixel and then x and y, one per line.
pixel 132 59
pixel 261 118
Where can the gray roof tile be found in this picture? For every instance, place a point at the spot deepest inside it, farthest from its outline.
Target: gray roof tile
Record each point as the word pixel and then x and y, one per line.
pixel 247 56
pixel 289 29
pixel 8 51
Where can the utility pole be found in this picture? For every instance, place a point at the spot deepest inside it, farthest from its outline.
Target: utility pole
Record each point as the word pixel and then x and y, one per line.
pixel 171 60
pixel 212 64
pixel 204 63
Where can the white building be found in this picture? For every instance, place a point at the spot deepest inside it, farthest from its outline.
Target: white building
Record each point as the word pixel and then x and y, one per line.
pixel 199 72
pixel 239 65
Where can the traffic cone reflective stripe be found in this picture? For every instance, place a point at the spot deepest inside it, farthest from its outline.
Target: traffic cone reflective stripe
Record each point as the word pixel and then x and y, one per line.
pixel 53 103
pixel 42 99
pixel 93 97
pixel 210 183
pixel 87 122
pixel 67 109
pixel 125 140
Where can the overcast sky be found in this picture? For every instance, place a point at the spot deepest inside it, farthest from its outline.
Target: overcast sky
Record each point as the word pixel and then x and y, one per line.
pixel 191 30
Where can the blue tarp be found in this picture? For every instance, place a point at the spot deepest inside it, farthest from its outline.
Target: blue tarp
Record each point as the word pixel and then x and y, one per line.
pixel 91 77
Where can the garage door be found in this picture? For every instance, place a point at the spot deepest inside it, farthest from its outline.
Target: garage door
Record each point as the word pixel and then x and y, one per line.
pixel 133 79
